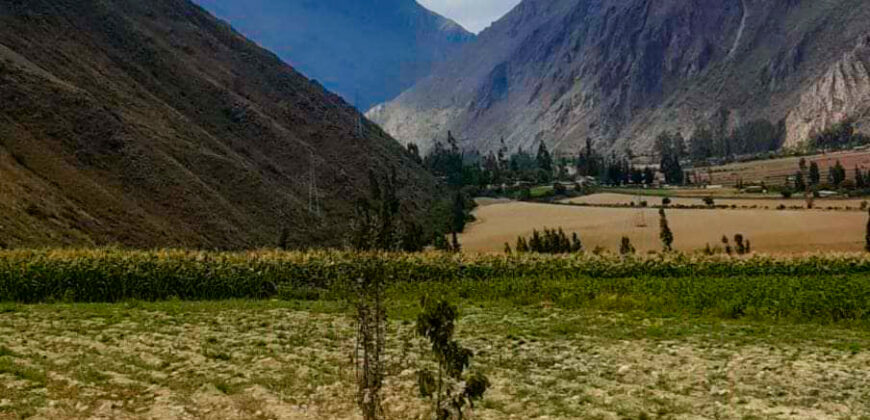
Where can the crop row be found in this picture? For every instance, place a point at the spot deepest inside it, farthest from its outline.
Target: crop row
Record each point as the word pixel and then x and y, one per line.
pixel 818 283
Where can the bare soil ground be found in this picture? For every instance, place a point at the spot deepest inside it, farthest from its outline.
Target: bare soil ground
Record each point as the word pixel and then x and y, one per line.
pixel 275 360
pixel 770 231
pixel 760 202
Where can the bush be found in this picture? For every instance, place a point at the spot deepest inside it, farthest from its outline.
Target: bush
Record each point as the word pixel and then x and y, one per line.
pixel 709 201
pixel 786 192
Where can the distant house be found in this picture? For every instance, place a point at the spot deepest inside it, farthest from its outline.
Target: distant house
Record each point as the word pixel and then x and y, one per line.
pixel 827 193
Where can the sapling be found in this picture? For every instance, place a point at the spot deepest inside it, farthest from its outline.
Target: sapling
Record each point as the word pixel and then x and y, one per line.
pixel 451 388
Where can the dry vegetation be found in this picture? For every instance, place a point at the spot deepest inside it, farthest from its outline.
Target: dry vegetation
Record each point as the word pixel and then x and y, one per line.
pixel 289 360
pixel 787 231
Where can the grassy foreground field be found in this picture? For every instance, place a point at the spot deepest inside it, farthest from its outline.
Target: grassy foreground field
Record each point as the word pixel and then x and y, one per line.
pixel 576 336
pixel 289 360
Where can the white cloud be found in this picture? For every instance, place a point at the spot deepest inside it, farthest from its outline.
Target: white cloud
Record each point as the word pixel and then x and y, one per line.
pixel 474 15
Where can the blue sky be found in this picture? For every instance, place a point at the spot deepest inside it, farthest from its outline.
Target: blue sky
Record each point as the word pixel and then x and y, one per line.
pixel 474 15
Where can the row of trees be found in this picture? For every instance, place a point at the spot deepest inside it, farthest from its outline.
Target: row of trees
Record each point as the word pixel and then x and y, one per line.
pixel 837 177
pixel 460 168
pixel 837 137
pixel 755 137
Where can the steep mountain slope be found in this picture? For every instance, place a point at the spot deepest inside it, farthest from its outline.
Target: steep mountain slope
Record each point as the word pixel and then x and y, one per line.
pixel 151 123
pixel 620 71
pixel 368 51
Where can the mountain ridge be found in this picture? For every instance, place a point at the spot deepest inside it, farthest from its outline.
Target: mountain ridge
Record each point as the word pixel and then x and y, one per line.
pixel 368 51
pixel 622 71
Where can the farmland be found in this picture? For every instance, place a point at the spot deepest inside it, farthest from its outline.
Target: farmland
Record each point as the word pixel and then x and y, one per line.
pixel 777 171
pixel 771 231
pixel 267 335
pixel 288 360
pixel 681 198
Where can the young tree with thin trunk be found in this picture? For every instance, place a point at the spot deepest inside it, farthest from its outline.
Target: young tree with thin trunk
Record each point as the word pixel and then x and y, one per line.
pixel 665 233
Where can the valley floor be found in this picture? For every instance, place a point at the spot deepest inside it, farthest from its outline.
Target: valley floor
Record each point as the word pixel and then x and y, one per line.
pixel 290 360
pixel 770 231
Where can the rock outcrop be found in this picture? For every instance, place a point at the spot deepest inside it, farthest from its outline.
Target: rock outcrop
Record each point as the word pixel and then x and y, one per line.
pixel 621 71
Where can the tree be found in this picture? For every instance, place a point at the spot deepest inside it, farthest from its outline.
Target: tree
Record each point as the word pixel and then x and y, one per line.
pixel 815 174
pixel 838 174
pixel 665 234
pixel 451 389
pixel 671 148
pixel 626 248
pixel 649 176
pixel 867 237
pixel 544 159
pixel 459 220
pixel 370 340
pixel 799 184
pixel 738 242
pixel 860 180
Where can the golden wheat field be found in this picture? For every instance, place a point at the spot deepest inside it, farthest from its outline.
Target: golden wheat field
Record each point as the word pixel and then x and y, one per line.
pixel 761 203
pixel 770 231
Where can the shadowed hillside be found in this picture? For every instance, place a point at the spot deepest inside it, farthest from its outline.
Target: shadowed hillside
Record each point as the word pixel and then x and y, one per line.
pixel 368 51
pixel 151 123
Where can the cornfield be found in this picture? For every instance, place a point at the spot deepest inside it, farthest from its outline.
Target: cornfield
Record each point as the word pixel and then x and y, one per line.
pixel 829 286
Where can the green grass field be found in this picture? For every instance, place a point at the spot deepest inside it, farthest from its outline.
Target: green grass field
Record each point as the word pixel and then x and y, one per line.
pixel 559 337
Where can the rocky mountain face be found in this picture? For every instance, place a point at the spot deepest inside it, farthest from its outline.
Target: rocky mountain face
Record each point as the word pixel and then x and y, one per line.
pixel 621 71
pixel 151 123
pixel 368 51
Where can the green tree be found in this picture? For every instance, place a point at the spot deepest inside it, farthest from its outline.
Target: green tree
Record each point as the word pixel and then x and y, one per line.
pixel 544 159
pixel 838 174
pixel 626 248
pixel 815 174
pixel 799 183
pixel 451 388
pixel 665 234
pixel 860 180
pixel 671 149
pixel 867 237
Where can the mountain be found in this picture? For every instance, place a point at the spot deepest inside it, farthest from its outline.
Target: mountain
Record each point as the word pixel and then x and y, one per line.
pixel 151 123
pixel 368 51
pixel 621 71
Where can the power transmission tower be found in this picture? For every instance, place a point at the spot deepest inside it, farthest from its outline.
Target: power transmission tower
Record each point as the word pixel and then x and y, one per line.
pixel 359 117
pixel 313 195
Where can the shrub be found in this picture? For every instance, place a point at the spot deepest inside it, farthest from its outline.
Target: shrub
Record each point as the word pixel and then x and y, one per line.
pixel 626 248
pixel 709 201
